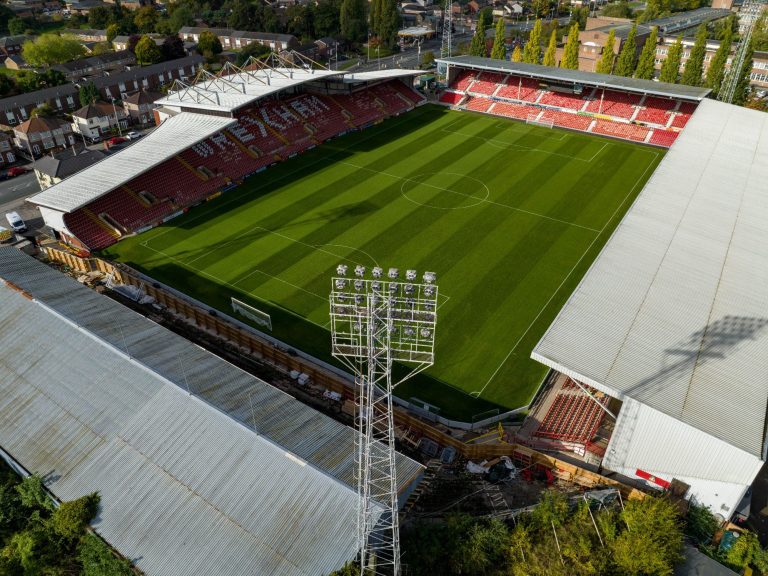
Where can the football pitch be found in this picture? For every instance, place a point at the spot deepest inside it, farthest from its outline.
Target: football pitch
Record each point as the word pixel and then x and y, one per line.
pixel 509 216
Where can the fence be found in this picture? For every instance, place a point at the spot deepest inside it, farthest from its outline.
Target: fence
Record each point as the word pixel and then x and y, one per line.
pixel 196 314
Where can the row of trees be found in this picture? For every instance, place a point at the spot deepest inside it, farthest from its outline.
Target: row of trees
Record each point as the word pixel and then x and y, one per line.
pixel 557 538
pixel 29 81
pixel 38 538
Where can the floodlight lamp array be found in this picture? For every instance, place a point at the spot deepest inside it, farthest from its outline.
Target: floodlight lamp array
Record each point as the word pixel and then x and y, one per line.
pixel 405 311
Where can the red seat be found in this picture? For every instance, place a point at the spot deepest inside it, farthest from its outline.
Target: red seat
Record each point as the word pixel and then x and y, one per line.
pixel 656 110
pixel 663 137
pixel 621 130
pixel 618 104
pixel 561 100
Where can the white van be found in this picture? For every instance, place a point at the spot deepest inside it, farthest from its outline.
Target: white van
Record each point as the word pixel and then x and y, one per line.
pixel 16 222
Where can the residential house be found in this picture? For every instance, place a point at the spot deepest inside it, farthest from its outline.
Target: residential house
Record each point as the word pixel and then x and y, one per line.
pixel 326 47
pixel 65 98
pixel 41 135
pixel 7 155
pixel 53 168
pixel 12 45
pixel 28 8
pixel 16 62
pixel 236 39
pixel 121 41
pixel 98 118
pixel 96 65
pixel 473 7
pixel 83 7
pixel 87 35
pixel 140 105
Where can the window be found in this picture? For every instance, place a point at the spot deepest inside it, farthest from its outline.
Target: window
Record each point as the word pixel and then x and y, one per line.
pixel 23 113
pixel 759 77
pixel 121 86
pixel 48 144
pixel 161 77
pixel 11 117
pixel 36 149
pixel 11 157
pixel 145 82
pixel 58 103
pixel 70 101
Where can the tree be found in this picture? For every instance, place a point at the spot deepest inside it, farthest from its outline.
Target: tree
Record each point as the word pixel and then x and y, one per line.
pixel 741 94
pixel 100 17
pixel 51 49
pixel 716 70
pixel 605 64
pixel 427 59
pixel 499 50
pixel 373 16
pixel 645 64
pixel 101 48
pixel 694 66
pixel 477 46
pixel 253 49
pixel 133 39
pixel 389 21
pixel 625 63
pixel 639 551
pixel 532 50
pixel 550 56
pixel 540 7
pixel 71 519
pixel 670 69
pixel 241 16
pixel 517 54
pixel 145 19
pixel 7 85
pixel 653 10
pixel 32 495
pixel 113 30
pixel 172 48
pixel 618 10
pixel 209 43
pixel 16 26
pixel 579 16
pixel 147 52
pixel 571 53
pixel 759 31
pixel 43 110
pixel 97 559
pixel 88 94
pixel 352 20
pixel 180 17
pixel 327 17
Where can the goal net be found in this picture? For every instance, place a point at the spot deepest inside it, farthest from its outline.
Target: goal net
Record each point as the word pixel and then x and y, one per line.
pixel 534 119
pixel 259 317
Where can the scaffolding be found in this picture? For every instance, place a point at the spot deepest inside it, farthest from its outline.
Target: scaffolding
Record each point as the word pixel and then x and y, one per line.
pixel 732 78
pixel 375 322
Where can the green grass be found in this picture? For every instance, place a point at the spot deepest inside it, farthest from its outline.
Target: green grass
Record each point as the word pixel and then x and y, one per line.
pixel 509 216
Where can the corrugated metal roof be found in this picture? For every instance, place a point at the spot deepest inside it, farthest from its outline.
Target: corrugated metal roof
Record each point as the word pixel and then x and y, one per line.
pixel 579 77
pixel 233 91
pixel 674 311
pixel 187 487
pixel 171 137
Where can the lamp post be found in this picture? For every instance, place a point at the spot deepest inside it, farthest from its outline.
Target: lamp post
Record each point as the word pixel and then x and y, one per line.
pixel 117 120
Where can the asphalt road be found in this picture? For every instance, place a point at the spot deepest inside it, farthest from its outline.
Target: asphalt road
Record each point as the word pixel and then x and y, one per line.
pixel 12 195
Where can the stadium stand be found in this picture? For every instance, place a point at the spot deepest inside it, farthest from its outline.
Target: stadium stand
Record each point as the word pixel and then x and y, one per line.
pixel 258 136
pixel 656 110
pixel 572 417
pixel 637 114
pixel 616 104
pixel 663 137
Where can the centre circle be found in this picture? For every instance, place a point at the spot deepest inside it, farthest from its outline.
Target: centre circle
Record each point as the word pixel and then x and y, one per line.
pixel 445 190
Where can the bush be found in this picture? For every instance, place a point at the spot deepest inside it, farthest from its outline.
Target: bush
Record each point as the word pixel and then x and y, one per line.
pixel 71 519
pixel 98 560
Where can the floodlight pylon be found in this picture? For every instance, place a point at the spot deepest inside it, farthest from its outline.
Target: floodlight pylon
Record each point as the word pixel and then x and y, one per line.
pixel 375 322
pixel 445 46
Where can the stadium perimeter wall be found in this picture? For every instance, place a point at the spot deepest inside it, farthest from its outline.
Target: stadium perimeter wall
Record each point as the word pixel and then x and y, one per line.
pixel 246 339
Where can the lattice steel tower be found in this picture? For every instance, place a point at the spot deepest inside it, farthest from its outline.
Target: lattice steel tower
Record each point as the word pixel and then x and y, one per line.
pixel 375 322
pixel 752 10
pixel 445 48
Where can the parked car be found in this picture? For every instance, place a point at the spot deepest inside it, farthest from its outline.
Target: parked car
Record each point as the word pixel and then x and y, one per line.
pixel 16 222
pixel 17 171
pixel 133 135
pixel 115 140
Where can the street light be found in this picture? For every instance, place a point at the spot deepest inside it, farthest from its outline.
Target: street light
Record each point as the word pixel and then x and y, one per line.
pixel 117 120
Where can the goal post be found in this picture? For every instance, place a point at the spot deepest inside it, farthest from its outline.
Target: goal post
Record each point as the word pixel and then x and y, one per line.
pixel 545 122
pixel 254 314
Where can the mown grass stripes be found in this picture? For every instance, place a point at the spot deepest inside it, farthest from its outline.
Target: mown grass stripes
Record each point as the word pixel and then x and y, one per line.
pixel 404 194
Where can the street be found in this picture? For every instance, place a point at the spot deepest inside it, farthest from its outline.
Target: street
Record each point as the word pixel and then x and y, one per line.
pixel 13 192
